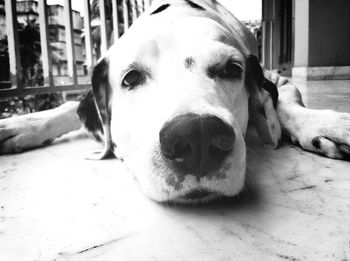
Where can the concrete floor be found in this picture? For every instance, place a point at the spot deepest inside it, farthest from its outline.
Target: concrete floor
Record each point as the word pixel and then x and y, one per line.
pixel 55 205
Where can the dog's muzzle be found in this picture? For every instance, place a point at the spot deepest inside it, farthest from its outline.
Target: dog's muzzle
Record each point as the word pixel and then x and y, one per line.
pixel 196 144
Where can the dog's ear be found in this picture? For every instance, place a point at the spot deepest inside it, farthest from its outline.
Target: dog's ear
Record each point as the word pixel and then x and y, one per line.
pixel 95 109
pixel 263 96
pixel 88 115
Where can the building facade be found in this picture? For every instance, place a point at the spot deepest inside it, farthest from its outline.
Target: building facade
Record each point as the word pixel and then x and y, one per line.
pixel 58 38
pixel 307 38
pixel 27 10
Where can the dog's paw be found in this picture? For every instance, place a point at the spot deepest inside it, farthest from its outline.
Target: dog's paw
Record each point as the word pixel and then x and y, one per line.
pixel 325 132
pixel 23 132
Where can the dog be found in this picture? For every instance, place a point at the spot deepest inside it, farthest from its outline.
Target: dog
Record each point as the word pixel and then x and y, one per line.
pixel 172 98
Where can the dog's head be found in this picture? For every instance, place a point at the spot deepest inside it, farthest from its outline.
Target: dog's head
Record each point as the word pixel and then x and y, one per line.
pixel 174 96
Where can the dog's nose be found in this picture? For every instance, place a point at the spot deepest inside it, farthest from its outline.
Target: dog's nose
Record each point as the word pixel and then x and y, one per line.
pixel 197 144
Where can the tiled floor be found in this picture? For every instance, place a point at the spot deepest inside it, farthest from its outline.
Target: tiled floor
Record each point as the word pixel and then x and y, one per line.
pixel 54 204
pixel 325 94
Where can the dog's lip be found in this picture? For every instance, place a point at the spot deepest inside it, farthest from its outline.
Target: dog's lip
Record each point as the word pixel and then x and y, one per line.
pixel 196 194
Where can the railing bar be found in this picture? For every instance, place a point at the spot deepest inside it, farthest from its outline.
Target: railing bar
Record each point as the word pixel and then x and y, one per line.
pixel 43 89
pixel 134 10
pixel 103 27
pixel 7 83
pixel 88 38
pixel 143 7
pixel 13 45
pixel 72 71
pixel 147 3
pixel 263 43
pixel 125 15
pixel 271 46
pixel 139 7
pixel 115 20
pixel 45 46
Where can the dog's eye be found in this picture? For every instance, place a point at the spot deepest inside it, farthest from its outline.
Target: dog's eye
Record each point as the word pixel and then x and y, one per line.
pixel 232 70
pixel 131 79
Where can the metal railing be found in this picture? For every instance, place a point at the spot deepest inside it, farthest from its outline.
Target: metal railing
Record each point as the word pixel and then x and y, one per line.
pixel 15 85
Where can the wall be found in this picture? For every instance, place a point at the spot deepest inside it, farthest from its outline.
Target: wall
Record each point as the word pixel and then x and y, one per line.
pixel 329 33
pixel 301 32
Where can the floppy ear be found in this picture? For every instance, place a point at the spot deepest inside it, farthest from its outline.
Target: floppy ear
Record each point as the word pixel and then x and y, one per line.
pixel 95 111
pixel 263 96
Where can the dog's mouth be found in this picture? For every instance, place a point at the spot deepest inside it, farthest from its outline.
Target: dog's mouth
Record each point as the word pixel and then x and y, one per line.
pixel 197 195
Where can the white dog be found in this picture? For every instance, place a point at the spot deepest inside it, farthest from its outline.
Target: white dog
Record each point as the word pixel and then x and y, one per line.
pixel 172 98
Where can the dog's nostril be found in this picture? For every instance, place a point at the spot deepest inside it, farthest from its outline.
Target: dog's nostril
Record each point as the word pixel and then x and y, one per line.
pixel 223 142
pixel 221 146
pixel 217 154
pixel 180 150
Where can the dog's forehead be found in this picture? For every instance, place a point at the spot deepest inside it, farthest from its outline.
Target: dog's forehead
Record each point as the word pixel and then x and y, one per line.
pixel 152 39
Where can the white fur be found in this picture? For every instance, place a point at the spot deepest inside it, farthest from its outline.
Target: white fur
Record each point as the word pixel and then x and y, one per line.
pixel 172 90
pixel 37 129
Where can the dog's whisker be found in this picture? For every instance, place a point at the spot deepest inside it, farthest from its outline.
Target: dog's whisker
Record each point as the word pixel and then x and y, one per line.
pixel 250 169
pixel 253 152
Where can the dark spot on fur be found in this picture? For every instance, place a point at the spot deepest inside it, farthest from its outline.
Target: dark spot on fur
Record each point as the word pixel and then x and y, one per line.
pixel 102 94
pixel 103 114
pixel 296 143
pixel 213 70
pixel 8 138
pixel 344 148
pixel 47 142
pixel 262 112
pixel 172 181
pixel 160 9
pixel 194 5
pixel 100 74
pixel 189 62
pixel 88 115
pixel 272 89
pixel 254 72
pixel 101 89
pixel 316 143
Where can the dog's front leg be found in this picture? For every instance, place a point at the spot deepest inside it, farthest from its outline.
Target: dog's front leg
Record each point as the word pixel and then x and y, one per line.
pixel 37 129
pixel 326 132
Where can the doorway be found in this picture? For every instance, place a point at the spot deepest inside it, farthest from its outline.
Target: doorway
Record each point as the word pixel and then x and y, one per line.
pixel 277 32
